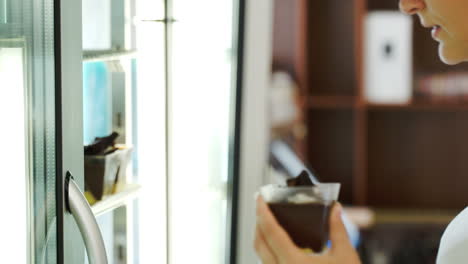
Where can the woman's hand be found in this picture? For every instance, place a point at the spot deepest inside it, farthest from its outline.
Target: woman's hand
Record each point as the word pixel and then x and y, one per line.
pixel 274 246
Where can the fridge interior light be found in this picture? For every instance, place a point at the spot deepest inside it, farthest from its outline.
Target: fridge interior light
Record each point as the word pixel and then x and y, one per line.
pixel 13 226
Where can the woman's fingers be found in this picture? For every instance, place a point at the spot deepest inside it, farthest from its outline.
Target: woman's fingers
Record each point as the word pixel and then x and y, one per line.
pixel 338 235
pixel 262 248
pixel 274 235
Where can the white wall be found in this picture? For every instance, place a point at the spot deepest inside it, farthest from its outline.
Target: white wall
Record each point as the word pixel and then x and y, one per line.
pixel 255 127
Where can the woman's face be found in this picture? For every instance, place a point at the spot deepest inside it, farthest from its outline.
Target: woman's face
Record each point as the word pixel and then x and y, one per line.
pixel 448 20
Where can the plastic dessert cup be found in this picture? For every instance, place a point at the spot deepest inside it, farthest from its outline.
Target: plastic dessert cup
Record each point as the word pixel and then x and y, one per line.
pixel 303 212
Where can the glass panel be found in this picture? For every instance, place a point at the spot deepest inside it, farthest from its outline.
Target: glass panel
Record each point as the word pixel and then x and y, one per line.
pixel 151 9
pixel 27 76
pixel 97 101
pixel 150 143
pixel 12 101
pixel 108 46
pixel 124 91
pixel 201 118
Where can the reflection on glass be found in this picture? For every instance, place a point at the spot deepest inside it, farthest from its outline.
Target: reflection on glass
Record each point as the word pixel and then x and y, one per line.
pixel 3 11
pixel 97 105
pixel 200 117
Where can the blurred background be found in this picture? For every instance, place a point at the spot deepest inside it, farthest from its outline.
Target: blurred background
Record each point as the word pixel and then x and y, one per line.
pixel 379 112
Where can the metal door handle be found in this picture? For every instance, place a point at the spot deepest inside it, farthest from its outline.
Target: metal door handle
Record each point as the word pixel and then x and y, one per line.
pixel 78 206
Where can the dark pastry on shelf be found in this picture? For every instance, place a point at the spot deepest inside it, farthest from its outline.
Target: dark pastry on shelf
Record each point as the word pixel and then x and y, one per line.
pixel 102 145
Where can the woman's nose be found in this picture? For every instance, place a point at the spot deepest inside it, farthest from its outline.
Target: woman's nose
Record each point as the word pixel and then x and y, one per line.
pixel 411 7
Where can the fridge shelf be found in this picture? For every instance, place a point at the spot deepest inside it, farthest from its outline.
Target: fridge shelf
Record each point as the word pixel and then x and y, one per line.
pixel 129 193
pixel 107 55
pixel 417 216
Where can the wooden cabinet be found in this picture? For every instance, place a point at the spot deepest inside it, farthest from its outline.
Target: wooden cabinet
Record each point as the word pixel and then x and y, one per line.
pixel 390 156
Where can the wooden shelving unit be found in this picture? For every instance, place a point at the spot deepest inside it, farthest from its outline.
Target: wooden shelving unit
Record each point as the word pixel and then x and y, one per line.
pixel 421 106
pixel 331 102
pixel 386 156
pixel 350 102
pixel 442 217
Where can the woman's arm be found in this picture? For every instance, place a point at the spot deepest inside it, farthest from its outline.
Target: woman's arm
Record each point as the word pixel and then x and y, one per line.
pixel 274 246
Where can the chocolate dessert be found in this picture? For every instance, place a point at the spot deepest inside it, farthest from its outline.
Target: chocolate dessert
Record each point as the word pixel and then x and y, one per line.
pixel 306 224
pixel 304 214
pixel 304 179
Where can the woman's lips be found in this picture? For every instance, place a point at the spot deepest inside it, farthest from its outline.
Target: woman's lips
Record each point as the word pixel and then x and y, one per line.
pixel 436 31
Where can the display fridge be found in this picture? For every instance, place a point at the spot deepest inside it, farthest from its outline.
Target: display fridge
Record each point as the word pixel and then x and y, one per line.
pixel 120 122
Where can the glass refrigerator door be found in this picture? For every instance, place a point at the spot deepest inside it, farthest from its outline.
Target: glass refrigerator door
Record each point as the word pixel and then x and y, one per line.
pixel 40 75
pixel 202 130
pixel 14 156
pixel 163 74
pixel 124 91
pixel 28 132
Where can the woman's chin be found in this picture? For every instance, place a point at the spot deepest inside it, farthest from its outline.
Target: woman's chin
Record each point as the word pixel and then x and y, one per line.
pixel 450 56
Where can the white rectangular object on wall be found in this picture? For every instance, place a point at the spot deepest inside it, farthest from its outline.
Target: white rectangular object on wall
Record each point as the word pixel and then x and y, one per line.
pixel 388 57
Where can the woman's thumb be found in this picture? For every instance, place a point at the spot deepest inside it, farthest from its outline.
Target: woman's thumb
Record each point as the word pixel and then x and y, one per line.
pixel 338 235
